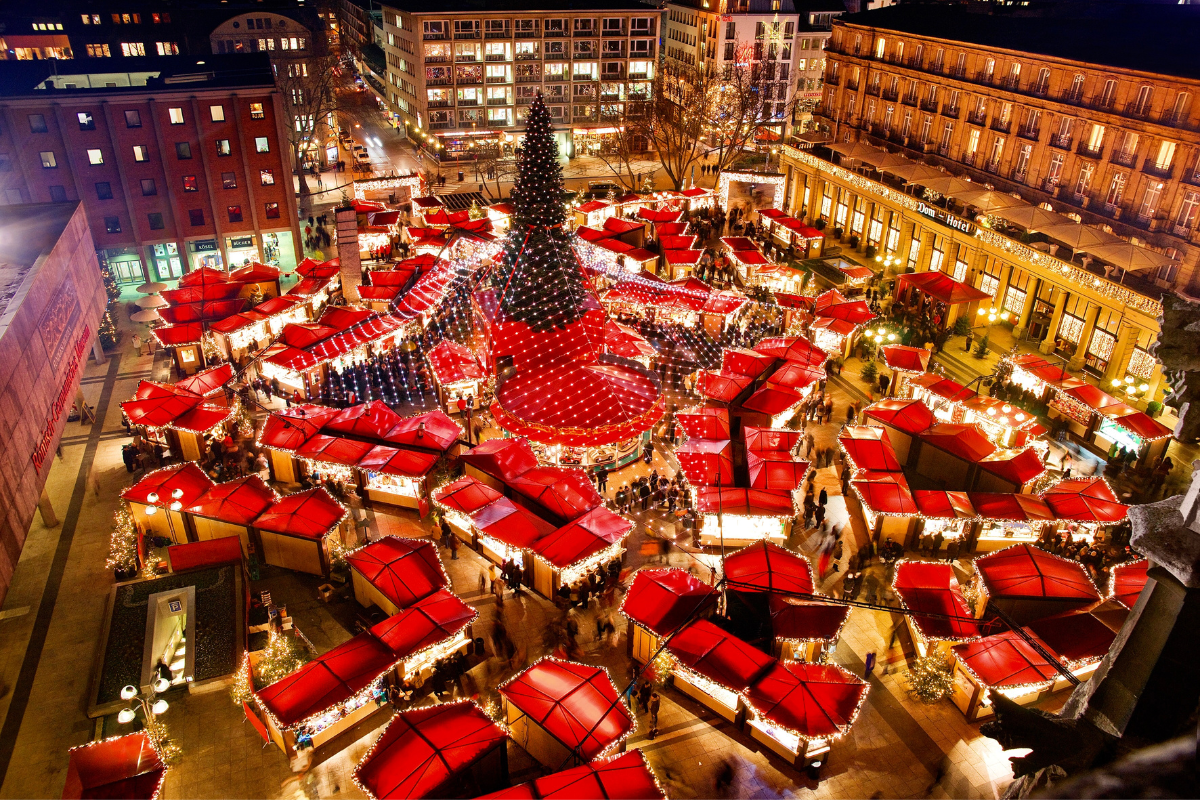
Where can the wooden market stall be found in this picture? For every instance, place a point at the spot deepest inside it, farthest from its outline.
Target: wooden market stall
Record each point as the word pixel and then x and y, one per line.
pixel 156 502
pixel 127 766
pixel 294 532
pixel 1028 583
pixel 393 573
pixel 624 776
pixel 230 508
pixel 660 602
pixel 187 416
pixel 426 633
pixel 937 617
pixel 457 374
pixel 565 712
pixel 715 668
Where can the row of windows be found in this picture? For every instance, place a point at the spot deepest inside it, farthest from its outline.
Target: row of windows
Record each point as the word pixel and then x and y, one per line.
pixel 141 153
pixel 637 26
pixel 133 118
pixel 124 19
pixel 155 218
pixel 285 43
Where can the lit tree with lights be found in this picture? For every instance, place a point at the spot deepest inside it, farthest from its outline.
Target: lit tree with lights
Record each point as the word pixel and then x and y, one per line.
pixel 540 281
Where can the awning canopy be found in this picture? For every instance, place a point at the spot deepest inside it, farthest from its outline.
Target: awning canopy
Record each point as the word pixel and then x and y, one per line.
pixel 516 528
pixel 207 382
pixel 502 458
pixel 772 399
pixel 719 656
pixel 289 428
pixel 238 501
pixel 120 767
pixel 584 537
pixel 927 590
pixel 797 620
pixel 964 441
pixel 869 448
pixel 766 567
pixel 160 486
pixel 575 703
pixel 466 495
pixel 1026 571
pixel 1015 507
pixel 403 570
pixel 744 501
pixel 885 493
pixel 371 420
pixel 661 600
pixel 623 777
pixel 1128 580
pixel 706 462
pixel 724 387
pixel 941 286
pixel 422 750
pixel 431 620
pixel 1085 500
pixel 908 416
pixel 327 680
pixel 775 470
pixel 936 504
pixel 905 358
pixel 1078 638
pixel 705 422
pixel 310 514
pixel 1005 659
pixel 813 701
pixel 565 492
pixel 793 348
pixel 770 440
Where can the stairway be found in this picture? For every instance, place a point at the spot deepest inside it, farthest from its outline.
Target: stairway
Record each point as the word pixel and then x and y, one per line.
pixel 177 659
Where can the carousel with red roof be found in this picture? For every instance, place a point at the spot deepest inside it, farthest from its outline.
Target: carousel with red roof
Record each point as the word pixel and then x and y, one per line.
pixel 556 383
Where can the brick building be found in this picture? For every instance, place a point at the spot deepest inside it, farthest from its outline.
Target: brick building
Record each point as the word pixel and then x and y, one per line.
pixel 179 162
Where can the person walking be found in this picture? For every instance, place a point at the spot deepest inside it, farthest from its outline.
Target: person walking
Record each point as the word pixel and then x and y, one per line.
pixel 644 494
pixel 655 704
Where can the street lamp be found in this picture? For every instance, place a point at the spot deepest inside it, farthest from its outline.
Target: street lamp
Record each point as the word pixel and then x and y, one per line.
pixel 992 314
pixel 1131 386
pixel 152 707
pixel 879 337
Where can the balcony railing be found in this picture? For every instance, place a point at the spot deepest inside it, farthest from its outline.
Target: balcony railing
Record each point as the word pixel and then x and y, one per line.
pixel 852 86
pixel 944 150
pixel 499 34
pixel 434 36
pixel 833 79
pixel 439 81
pixel 1011 82
pixel 441 126
pixel 465 58
pixel 498 123
pixel 977 118
pixel 1182 231
pixel 553 34
pixel 499 79
pixel 583 76
pixel 1029 133
pixel 993 167
pixel 585 33
pixel 585 56
pixel 499 101
pixel 1001 125
pixel 466 34
pixel 929 105
pixel 891 96
pixel 495 57
pixel 1019 175
pixel 555 78
pixel 910 100
pixel 1088 151
pixel 969 159
pixel 950 111
pixel 531 78
pixel 439 103
pixel 528 33
pixel 639 76
pixel 528 56
pixel 1150 168
pixel 873 90
pixel 984 77
pixel 437 59
pixel 1061 141
pixel 1039 90
pixel 956 72
pixel 524 101
pixel 1123 159
pixel 468 101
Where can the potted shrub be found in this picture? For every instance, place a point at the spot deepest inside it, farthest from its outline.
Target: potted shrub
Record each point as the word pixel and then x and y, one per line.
pixel 870 251
pixel 819 224
pixel 854 240
pixel 837 233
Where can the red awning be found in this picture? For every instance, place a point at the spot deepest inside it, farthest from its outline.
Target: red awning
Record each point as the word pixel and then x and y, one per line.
pixel 119 767
pixel 905 358
pixel 255 273
pixel 334 450
pixel 583 538
pixel 1017 507
pixel 429 621
pixel 1027 571
pixel 403 570
pixel 839 326
pixel 327 680
pixel 745 502
pixel 309 514
pixel 199 277
pixel 1079 637
pixel 745 362
pixel 395 461
pixel 1128 580
pixel 944 387
pixel 502 458
pixel 187 479
pixel 869 448
pixel 503 521
pixel 724 387
pixel 368 420
pixel 621 340
pixel 661 600
pixel 805 621
pixel 719 656
pixel 928 589
pixel 767 567
pixel 885 493
pixel 934 504
pixel 575 703
pixel 856 312
pixel 1139 423
pixel 238 501
pixel 793 348
pixel 452 363
pixel 706 462
pixel 290 428
pixel 433 430
pixel 423 750
pixel 811 700
pixel 942 287
pixel 964 441
pixel 1093 397
pixel 759 440
pixel 775 470
pixel 772 399
pixel 1005 659
pixel 796 376
pixel 623 777
pixel 908 416
pixel 705 422
pixel 207 382
pixel 1018 467
pixel 179 335
pixel 565 492
pixel 466 495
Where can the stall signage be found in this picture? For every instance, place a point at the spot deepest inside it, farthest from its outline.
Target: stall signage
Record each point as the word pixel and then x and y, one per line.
pixel 205 246
pixel 240 242
pixel 945 218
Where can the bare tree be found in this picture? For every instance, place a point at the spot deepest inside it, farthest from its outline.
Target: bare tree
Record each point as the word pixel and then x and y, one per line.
pixel 739 106
pixel 495 166
pixel 627 148
pixel 310 102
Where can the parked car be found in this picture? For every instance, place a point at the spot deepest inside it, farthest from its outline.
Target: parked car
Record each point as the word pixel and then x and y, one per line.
pixel 600 189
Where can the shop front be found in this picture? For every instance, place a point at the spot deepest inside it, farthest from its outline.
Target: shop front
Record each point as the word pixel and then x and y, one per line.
pixel 279 250
pixel 596 141
pixel 166 260
pixel 204 253
pixel 125 265
pixel 242 250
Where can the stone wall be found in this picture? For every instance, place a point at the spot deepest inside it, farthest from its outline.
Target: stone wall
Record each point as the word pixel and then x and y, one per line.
pixel 46 334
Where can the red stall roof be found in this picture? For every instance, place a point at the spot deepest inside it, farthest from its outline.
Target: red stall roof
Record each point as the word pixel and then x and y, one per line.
pixel 1027 571
pixel 584 537
pixel 422 750
pixel 745 362
pixel 429 621
pixel 334 450
pixel 805 621
pixel 909 416
pixel 1093 397
pixel 1086 503
pixel 466 495
pixel 394 461
pixel 905 358
pixel 290 428
pixel 370 420
pixel 724 387
pixel 705 422
pixel 856 312
pixel 810 700
pixel 885 493
pixel 502 458
pixel 403 570
pixel 759 440
pixel 238 501
pixel 1079 638
pixel 621 340
pixel 255 273
pixel 775 470
pixel 937 504
pixel 1128 580
pixel 661 600
pixel 942 287
pixel 207 382
pixel 1005 659
pixel 766 567
pixel 433 430
pixel 565 492
pixel 121 767
pixel 309 514
pixel 933 589
pixel 208 553
pixel 515 527
pixel 1016 466
pixel 746 502
pixel 1138 423
pixel 869 448
pixel 706 462
pixel 327 680
pixel 1018 507
pixel 793 348
pixel 575 703
pixel 623 777
pixel 719 656
pixel 964 441
pixel 452 362
pixel 796 376
pixel 186 478
pixel 772 399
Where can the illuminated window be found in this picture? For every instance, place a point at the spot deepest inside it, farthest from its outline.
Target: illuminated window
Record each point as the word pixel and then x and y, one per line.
pixel 176 115
pixel 190 184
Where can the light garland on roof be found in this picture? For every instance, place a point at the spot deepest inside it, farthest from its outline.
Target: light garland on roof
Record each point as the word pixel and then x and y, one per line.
pixel 913 615
pixel 842 730
pixel 153 746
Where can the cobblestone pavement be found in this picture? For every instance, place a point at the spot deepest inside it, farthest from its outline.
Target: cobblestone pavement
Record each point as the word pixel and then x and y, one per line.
pixel 50 629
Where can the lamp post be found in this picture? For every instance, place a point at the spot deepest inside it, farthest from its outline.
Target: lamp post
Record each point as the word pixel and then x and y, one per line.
pixel 1134 390
pixel 175 505
pixel 151 705
pixel 880 336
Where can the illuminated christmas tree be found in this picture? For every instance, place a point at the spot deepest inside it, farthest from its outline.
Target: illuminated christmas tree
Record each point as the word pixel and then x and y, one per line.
pixel 540 282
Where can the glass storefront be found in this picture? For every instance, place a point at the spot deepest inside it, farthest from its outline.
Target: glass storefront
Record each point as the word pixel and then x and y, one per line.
pixel 204 253
pixel 166 260
pixel 279 250
pixel 242 250
pixel 125 264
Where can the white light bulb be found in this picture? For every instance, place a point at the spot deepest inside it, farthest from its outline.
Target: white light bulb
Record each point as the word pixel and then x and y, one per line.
pixel 128 692
pixel 125 716
pixel 159 706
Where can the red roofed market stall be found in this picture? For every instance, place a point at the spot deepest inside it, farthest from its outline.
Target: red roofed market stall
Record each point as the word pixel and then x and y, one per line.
pixel 1029 583
pixel 393 573
pixel 119 767
pixel 623 777
pixel 938 616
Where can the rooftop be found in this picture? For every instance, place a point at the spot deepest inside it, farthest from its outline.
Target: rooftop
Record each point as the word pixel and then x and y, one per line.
pixel 517 6
pixel 1148 38
pixel 27 232
pixel 158 73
